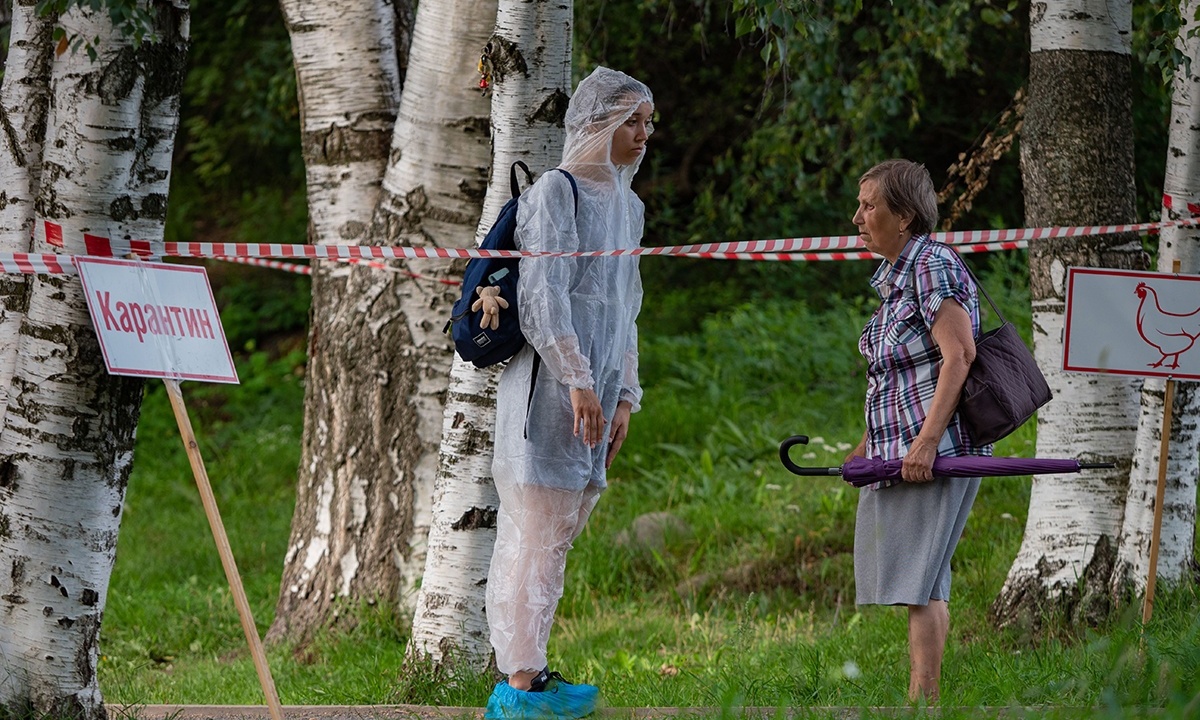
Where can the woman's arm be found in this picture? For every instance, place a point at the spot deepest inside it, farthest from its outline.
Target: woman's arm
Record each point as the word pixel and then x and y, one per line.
pixel 951 331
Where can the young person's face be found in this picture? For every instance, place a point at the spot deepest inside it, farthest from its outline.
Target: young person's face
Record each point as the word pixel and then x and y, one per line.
pixel 629 139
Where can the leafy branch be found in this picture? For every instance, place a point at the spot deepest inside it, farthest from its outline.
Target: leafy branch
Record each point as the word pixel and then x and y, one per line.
pixel 131 18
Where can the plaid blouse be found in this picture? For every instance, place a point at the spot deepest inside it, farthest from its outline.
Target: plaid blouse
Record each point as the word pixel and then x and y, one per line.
pixel 903 362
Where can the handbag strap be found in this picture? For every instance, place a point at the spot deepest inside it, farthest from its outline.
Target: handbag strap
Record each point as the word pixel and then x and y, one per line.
pixel 978 285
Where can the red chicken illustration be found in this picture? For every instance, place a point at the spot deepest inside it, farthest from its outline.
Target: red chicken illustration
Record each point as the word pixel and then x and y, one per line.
pixel 1172 334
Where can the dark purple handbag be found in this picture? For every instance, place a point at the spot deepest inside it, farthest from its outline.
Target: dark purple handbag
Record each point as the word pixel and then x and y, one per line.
pixel 1004 386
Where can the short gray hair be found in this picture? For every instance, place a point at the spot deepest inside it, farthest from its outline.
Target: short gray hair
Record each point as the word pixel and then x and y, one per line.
pixel 908 190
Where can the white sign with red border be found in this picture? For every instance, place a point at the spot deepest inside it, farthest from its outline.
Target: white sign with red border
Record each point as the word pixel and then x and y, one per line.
pixel 156 320
pixel 1127 322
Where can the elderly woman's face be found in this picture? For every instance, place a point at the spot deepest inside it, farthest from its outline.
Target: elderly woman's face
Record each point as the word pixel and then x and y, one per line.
pixel 882 231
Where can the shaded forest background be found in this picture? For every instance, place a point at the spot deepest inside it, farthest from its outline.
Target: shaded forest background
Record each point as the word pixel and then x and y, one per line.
pixel 763 125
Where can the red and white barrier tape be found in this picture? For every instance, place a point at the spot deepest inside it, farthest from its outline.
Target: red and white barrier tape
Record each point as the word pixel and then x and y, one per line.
pixel 825 256
pixel 752 249
pixel 838 247
pixel 307 269
pixel 1172 202
pixel 273 264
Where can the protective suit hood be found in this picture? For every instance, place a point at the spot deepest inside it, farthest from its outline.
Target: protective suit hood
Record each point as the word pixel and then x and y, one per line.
pixel 603 101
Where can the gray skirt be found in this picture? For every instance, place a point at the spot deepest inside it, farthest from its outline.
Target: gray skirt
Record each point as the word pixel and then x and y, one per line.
pixel 904 537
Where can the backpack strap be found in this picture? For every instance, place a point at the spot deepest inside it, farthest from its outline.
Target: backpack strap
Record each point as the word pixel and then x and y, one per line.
pixel 574 188
pixel 512 177
pixel 515 186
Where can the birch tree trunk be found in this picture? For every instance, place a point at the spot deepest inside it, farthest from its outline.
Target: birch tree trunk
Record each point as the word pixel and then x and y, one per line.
pixel 1182 182
pixel 1077 166
pixel 379 426
pixel 66 447
pixel 529 56
pixel 24 103
pixel 348 85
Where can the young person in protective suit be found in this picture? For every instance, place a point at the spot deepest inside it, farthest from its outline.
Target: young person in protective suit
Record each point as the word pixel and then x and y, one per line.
pixel 564 401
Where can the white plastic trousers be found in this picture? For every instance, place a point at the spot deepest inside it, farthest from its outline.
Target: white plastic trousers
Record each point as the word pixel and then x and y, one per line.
pixel 534 531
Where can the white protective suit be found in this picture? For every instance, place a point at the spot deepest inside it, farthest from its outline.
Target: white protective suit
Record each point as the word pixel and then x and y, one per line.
pixel 577 315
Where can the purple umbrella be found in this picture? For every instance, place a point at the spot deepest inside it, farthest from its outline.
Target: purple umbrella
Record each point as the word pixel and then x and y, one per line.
pixel 859 471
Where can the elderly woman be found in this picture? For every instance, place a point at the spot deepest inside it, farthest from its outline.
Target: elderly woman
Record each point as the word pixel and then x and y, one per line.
pixel 918 346
pixel 564 401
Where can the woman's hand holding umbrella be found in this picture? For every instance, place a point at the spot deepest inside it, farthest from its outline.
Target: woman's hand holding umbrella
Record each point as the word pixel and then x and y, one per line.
pixel 860 471
pixel 917 465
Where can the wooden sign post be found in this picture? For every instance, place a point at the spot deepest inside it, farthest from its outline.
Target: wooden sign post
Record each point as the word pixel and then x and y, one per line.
pixel 1160 491
pixel 223 549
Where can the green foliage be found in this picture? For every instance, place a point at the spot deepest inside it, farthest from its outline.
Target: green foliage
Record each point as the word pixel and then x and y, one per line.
pixel 748 149
pixel 272 306
pixel 1160 25
pixel 131 18
pixel 1155 30
pixel 860 85
pixel 238 173
pixel 240 124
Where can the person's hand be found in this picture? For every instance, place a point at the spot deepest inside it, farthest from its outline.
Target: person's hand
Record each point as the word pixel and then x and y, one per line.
pixel 918 463
pixel 589 416
pixel 618 432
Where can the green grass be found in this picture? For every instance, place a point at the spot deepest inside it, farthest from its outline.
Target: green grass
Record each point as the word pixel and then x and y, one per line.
pixel 749 604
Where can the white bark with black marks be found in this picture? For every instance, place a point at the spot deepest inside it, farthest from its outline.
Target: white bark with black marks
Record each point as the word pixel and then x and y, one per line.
pixel 66 446
pixel 349 89
pixel 1087 25
pixel 24 104
pixel 529 55
pixel 1077 167
pixel 1177 536
pixel 378 361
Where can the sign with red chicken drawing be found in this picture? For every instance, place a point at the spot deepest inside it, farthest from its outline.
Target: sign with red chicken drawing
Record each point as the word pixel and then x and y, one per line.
pixel 1132 323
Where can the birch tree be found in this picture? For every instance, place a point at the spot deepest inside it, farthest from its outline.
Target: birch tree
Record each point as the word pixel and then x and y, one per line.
pixel 348 85
pixel 1077 166
pixel 1182 183
pixel 528 61
pixel 66 445
pixel 24 101
pixel 377 358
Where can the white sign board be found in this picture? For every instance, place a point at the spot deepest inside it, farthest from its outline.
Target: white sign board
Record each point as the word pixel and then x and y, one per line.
pixel 156 320
pixel 1132 323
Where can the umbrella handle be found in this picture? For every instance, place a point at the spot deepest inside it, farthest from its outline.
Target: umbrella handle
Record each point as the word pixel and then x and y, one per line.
pixel 1096 466
pixel 784 458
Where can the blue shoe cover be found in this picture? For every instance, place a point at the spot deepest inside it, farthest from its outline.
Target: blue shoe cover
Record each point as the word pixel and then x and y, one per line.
pixel 559 701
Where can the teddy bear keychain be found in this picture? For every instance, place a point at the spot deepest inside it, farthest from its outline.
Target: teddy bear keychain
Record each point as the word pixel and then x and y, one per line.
pixel 492 304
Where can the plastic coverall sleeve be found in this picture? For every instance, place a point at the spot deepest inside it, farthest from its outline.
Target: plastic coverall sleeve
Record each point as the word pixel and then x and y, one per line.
pixel 631 387
pixel 546 222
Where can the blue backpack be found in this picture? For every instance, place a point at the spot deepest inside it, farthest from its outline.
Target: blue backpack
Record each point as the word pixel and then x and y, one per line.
pixel 481 346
